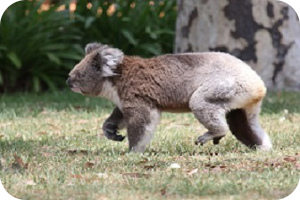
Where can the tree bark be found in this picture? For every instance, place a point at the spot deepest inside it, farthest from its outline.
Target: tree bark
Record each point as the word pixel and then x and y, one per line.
pixel 263 33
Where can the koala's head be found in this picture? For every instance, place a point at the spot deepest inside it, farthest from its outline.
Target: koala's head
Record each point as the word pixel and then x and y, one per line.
pixel 99 63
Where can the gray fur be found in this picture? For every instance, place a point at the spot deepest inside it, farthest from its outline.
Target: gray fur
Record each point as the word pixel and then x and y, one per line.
pixel 91 47
pixel 211 85
pixel 111 57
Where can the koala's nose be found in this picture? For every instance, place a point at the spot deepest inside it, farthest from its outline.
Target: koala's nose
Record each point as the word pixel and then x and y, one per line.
pixel 69 82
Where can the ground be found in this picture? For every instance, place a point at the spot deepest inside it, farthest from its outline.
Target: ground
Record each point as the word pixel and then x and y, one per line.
pixel 52 147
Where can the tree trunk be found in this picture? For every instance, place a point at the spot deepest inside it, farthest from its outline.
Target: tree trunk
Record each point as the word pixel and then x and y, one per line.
pixel 263 33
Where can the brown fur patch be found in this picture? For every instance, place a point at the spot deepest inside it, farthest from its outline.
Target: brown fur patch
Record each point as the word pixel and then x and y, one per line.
pixel 144 80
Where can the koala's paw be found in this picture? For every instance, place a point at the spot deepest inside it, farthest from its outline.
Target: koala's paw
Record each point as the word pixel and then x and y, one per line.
pixel 201 140
pixel 112 134
pixel 208 136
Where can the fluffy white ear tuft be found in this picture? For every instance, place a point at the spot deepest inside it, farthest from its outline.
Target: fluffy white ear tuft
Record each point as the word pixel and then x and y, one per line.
pixel 91 47
pixel 110 57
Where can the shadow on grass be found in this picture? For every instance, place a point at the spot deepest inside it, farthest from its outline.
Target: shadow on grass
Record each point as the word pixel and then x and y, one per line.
pixel 56 146
pixel 59 146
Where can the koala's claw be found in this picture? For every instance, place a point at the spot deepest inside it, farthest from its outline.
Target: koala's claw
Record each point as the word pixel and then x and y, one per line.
pixel 113 135
pixel 204 138
pixel 119 138
pixel 201 140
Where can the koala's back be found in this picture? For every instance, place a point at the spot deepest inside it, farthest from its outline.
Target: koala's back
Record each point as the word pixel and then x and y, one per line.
pixel 168 81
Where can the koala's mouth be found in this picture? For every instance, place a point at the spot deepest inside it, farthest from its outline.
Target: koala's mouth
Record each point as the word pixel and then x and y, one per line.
pixel 76 89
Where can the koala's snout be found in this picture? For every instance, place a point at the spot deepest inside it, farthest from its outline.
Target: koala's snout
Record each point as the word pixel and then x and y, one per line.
pixel 69 81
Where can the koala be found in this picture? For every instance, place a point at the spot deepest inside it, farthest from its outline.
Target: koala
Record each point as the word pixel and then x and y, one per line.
pixel 222 92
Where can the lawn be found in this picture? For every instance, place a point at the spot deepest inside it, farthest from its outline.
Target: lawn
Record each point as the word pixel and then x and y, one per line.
pixel 52 147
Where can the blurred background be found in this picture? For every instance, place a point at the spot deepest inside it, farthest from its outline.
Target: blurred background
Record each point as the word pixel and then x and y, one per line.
pixel 41 40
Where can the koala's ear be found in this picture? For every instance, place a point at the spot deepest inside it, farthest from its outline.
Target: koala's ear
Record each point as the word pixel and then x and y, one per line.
pixel 91 47
pixel 110 58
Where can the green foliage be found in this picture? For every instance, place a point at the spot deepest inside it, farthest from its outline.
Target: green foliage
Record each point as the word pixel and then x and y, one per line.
pixel 143 28
pixel 36 48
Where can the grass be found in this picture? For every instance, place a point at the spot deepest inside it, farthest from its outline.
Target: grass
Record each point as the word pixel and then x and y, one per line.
pixel 51 147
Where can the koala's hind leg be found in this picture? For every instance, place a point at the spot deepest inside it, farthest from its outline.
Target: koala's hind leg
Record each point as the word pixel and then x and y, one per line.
pixel 244 125
pixel 216 140
pixel 114 123
pixel 141 125
pixel 211 114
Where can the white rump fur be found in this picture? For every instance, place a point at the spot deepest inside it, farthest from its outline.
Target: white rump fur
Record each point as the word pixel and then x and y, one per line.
pixel 110 57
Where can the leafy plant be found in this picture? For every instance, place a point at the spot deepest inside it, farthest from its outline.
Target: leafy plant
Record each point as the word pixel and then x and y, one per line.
pixel 37 48
pixel 143 28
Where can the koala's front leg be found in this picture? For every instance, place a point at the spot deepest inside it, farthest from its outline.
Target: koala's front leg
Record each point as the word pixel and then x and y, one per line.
pixel 112 124
pixel 141 125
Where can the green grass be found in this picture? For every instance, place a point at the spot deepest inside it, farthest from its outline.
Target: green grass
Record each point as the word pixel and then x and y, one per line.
pixel 51 147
